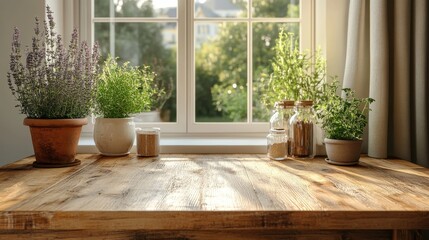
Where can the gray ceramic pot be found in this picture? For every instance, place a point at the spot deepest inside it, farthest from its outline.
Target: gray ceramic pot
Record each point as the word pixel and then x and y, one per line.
pixel 343 152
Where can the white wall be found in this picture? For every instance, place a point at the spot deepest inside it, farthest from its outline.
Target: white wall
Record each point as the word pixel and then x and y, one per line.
pixel 66 17
pixel 15 142
pixel 331 33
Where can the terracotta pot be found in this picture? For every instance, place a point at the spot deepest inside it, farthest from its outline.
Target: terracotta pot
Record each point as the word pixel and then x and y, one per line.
pixel 55 141
pixel 343 152
pixel 114 136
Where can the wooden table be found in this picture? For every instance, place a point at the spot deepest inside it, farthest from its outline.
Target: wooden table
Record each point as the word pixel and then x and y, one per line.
pixel 214 197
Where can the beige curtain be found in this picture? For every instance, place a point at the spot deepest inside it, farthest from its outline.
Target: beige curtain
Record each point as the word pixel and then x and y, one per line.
pixel 387 59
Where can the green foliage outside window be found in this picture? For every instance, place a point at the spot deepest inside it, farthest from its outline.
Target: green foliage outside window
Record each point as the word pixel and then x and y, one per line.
pixel 220 64
pixel 229 54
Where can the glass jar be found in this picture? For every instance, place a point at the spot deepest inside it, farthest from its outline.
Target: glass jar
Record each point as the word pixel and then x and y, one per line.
pixel 148 142
pixel 302 129
pixel 277 144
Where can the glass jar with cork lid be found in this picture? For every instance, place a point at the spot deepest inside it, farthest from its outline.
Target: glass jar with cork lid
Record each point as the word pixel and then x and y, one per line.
pixel 302 128
pixel 280 121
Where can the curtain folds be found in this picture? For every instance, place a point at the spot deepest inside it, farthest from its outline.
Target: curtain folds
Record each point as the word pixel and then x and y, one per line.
pixel 387 59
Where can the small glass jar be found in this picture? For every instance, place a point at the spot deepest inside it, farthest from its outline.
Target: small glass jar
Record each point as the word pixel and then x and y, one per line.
pixel 148 142
pixel 277 144
pixel 302 129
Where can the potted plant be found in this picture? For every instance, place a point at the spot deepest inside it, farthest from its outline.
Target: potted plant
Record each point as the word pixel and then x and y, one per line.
pixel 54 86
pixel 343 119
pixel 122 90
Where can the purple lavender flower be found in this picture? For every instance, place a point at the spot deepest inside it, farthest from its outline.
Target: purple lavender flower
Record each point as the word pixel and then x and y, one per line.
pixel 50 80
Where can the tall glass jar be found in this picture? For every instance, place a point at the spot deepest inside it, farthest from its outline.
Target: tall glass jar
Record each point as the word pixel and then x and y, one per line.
pixel 277 144
pixel 302 129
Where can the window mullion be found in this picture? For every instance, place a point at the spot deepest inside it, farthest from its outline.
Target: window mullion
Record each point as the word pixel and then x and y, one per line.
pixel 182 72
pixel 190 60
pixel 249 64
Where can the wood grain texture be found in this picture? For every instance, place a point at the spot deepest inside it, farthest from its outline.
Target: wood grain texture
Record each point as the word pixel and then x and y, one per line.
pixel 199 195
pixel 407 235
pixel 19 181
pixel 206 235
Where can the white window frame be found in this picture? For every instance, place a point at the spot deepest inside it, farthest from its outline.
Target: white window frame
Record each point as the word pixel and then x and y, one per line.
pixel 185 85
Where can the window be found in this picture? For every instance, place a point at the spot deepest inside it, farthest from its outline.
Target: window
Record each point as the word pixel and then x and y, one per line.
pixel 211 56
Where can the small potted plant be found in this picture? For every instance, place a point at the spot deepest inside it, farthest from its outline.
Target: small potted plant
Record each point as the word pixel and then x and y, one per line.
pixel 122 91
pixel 55 86
pixel 343 120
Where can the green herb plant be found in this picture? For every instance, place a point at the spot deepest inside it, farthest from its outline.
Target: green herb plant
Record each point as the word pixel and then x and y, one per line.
pixel 123 90
pixel 342 118
pixel 296 75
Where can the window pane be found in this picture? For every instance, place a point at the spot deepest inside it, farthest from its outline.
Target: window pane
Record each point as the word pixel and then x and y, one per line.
pixel 275 8
pixel 220 8
pixel 153 44
pixel 135 8
pixel 221 72
pixel 264 39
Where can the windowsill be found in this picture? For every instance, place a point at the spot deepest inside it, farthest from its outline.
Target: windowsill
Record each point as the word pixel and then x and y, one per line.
pixel 194 144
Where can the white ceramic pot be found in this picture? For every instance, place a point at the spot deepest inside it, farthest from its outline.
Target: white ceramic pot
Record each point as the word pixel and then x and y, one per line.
pixel 114 136
pixel 343 152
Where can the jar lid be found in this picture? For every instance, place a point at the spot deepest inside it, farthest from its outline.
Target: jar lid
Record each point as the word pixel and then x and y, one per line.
pixel 277 131
pixel 288 103
pixel 304 103
pixel 284 103
pixel 148 130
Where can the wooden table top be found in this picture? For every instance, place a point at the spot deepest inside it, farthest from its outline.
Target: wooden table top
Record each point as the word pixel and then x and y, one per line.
pixel 214 191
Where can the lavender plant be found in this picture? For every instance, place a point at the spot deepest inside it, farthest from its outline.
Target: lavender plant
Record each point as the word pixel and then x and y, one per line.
pixel 49 80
